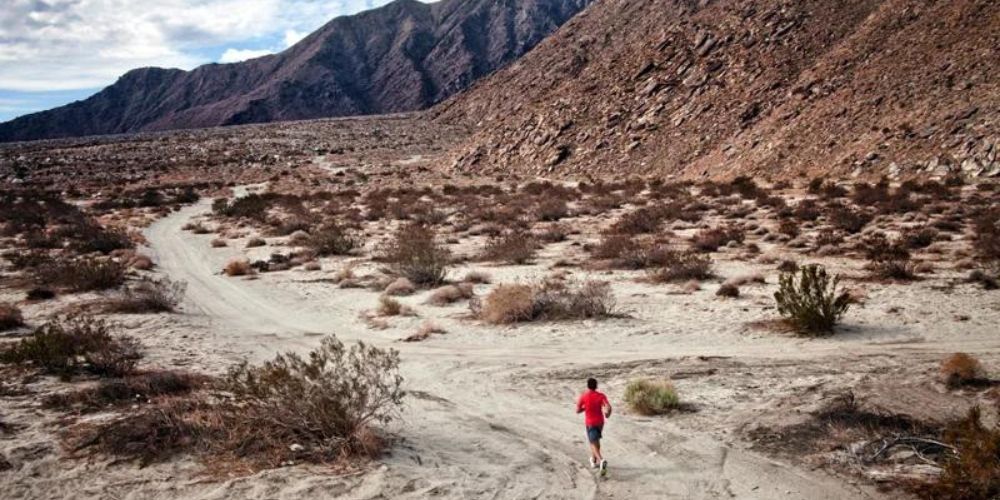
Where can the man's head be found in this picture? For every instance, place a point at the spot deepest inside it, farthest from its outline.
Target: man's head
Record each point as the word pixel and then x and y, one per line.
pixel 592 384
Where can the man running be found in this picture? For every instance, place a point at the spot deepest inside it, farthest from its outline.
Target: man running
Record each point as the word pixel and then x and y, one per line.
pixel 595 407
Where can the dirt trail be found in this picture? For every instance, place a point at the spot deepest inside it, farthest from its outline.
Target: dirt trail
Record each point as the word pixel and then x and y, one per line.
pixel 470 429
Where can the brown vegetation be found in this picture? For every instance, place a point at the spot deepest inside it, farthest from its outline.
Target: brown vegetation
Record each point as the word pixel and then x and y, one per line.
pixel 69 345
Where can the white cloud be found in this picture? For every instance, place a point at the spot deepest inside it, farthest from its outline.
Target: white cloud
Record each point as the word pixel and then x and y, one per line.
pixel 238 55
pixel 72 44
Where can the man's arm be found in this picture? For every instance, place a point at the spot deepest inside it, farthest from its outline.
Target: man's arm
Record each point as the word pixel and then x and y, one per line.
pixel 607 408
pixel 579 405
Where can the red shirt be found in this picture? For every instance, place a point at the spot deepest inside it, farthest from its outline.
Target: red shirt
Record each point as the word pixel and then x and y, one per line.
pixel 592 404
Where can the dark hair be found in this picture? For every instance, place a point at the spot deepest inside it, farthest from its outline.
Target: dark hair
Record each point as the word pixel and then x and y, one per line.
pixel 592 384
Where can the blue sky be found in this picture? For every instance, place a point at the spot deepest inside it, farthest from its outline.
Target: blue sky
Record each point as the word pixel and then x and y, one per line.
pixel 53 52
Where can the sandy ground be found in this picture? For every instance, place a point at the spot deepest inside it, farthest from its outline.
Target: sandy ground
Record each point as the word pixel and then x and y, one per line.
pixel 490 412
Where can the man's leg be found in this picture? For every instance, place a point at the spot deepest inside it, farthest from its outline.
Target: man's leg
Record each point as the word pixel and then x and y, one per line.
pixel 595 450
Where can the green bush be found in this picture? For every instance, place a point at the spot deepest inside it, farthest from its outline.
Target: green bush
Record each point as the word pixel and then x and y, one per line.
pixel 651 397
pixel 82 275
pixel 811 302
pixel 333 239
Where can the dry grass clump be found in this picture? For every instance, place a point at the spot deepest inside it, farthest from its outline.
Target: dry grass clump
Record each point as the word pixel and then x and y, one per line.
pixel 888 259
pixel 424 332
pixel 321 408
pixel 514 246
pixel 551 209
pixel 962 369
pixel 449 294
pixel 986 241
pixel 682 266
pixel 810 301
pixel 141 262
pixel 388 306
pixel 238 267
pixel 148 296
pixel 550 300
pixel 413 253
pixel 728 290
pixel 256 242
pixel 847 219
pixel 140 387
pixel 219 243
pixel 10 317
pixel 83 274
pixel 710 240
pixel 477 277
pixel 69 345
pixel 651 397
pixel 400 287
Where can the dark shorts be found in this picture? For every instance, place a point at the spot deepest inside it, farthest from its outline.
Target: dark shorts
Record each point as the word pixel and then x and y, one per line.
pixel 594 433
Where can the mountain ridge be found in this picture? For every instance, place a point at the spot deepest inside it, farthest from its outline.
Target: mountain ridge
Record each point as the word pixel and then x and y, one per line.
pixel 403 56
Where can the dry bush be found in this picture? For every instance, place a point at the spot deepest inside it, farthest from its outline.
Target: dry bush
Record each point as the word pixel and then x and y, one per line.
pixel 39 293
pixel 10 317
pixel 810 302
pixel 94 238
pixel 986 241
pixel 988 282
pixel 413 253
pixel 256 242
pixel 388 306
pixel 888 259
pixel 553 233
pixel 449 294
pixel 961 369
pixel 916 239
pixel 551 209
pixel 332 239
pixel 82 275
pixel 710 240
pixel 400 287
pixel 69 345
pixel 729 290
pixel 238 267
pixel 641 221
pixel 219 243
pixel 682 266
pixel 550 300
pixel 973 473
pixel 477 277
pixel 848 220
pixel 508 304
pixel 651 397
pixel 514 246
pixel 320 409
pixel 424 332
pixel 135 388
pixel 148 296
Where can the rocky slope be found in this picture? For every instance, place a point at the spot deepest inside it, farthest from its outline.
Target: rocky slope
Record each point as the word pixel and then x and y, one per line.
pixel 404 56
pixel 769 87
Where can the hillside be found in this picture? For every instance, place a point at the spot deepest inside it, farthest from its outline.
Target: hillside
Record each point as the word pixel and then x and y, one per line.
pixel 404 56
pixel 775 88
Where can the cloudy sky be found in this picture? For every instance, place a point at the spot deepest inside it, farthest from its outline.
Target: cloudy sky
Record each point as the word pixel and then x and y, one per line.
pixel 57 51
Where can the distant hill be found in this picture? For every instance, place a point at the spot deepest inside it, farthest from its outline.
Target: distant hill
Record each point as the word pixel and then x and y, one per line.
pixel 404 56
pixel 766 87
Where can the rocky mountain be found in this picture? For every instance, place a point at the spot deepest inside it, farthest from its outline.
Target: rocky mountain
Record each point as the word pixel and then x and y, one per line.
pixel 404 56
pixel 778 88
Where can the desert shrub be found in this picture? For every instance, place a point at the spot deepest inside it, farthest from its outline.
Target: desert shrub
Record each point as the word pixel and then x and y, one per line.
pixel 83 274
pixel 920 238
pixel 847 219
pixel 450 294
pixel 553 233
pixel 219 243
pixel 988 282
pixel 651 397
pixel 149 296
pixel 399 287
pixel 256 242
pixel 327 402
pixel 961 369
pixel 508 304
pixel 477 277
pixel 133 388
pixel 710 240
pixel 94 238
pixel 514 246
pixel 987 239
pixel 333 239
pixel 973 473
pixel 238 267
pixel 551 209
pixel 318 409
pixel 641 221
pixel 413 253
pixel 10 317
pixel 682 266
pixel 807 210
pixel 549 300
pixel 888 259
pixel 68 345
pixel 388 306
pixel 788 228
pixel 810 302
pixel 729 290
